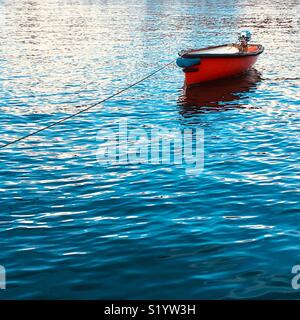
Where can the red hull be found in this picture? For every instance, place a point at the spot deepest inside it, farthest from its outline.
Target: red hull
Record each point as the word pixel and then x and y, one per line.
pixel 217 66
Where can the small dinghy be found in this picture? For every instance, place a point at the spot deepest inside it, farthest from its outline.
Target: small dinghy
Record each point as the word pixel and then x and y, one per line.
pixel 212 63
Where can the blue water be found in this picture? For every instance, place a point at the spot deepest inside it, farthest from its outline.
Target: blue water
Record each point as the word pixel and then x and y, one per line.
pixel 73 228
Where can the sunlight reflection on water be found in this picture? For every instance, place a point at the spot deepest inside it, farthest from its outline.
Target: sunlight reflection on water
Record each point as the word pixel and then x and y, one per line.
pixel 71 228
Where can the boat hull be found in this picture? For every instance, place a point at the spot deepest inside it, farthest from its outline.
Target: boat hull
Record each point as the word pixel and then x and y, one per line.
pixel 217 68
pixel 213 63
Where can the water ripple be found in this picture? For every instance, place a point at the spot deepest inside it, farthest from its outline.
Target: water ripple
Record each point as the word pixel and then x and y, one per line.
pixel 72 228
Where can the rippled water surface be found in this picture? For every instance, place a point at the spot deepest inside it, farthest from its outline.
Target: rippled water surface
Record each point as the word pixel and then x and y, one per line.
pixel 73 228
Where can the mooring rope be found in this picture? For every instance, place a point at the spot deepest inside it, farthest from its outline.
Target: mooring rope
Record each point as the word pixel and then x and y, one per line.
pixel 87 108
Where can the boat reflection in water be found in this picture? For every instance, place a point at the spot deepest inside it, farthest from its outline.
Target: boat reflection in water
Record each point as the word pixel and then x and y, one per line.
pixel 218 95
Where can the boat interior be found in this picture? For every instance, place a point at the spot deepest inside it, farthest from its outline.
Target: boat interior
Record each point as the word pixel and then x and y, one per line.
pixel 230 49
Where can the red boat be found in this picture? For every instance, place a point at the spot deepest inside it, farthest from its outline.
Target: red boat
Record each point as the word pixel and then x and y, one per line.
pixel 218 62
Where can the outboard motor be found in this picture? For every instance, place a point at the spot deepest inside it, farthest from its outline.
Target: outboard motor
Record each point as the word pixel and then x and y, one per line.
pixel 244 38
